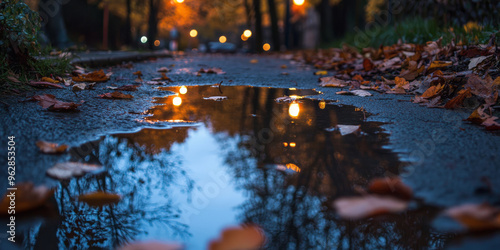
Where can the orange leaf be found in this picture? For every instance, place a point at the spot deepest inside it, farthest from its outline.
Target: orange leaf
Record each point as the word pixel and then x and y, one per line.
pixel 390 186
pixel 476 217
pixel 138 73
pixel 459 99
pixel 27 197
pixel 438 64
pixel 48 79
pixel 358 78
pixel 368 64
pixel 96 76
pixel 51 148
pixel 243 237
pixel 331 81
pixel 99 198
pixel 367 206
pixel 433 91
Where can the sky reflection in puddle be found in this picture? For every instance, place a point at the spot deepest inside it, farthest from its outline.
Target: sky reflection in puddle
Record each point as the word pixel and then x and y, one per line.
pixel 248 159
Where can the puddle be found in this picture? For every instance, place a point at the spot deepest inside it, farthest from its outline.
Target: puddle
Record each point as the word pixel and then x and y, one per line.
pixel 246 159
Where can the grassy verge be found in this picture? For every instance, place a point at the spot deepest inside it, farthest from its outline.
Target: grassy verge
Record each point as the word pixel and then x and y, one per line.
pixel 415 30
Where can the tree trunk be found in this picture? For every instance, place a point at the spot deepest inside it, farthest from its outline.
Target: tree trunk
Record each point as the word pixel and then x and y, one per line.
pixel 152 23
pixel 128 25
pixel 274 25
pixel 258 25
pixel 326 24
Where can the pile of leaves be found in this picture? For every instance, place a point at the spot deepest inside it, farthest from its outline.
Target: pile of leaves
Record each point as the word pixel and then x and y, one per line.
pixel 440 76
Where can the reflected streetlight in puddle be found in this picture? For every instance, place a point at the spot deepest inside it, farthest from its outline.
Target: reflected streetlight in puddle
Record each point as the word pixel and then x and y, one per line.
pixel 293 144
pixel 183 90
pixel 294 109
pixel 177 101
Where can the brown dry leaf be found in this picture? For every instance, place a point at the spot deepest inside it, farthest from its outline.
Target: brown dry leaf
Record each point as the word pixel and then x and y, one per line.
pixel 491 124
pixel 151 245
pixel 163 78
pixel 358 78
pixel 96 76
pixel 355 208
pixel 368 64
pixel 438 65
pixel 480 87
pixel 253 61
pixel 321 73
pixel 138 73
pixel 116 95
pixel 476 217
pixel 284 66
pixel 52 104
pixel 68 170
pixel 27 197
pixel 242 237
pixel 99 198
pixel 433 91
pixel 163 69
pixel 390 186
pixel 51 148
pixel 474 62
pixel 217 71
pixel 331 81
pixel 402 83
pixel 433 47
pixel 412 72
pixel 478 116
pixel 459 99
pixel 129 87
pixel 44 85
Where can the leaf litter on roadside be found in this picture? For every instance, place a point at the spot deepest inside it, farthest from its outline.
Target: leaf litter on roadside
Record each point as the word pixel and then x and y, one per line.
pixel 95 76
pixel 440 76
pixel 116 95
pixel 50 103
pixel 51 148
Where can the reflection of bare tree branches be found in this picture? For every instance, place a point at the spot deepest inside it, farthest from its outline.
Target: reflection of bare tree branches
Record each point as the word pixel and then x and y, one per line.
pixel 135 175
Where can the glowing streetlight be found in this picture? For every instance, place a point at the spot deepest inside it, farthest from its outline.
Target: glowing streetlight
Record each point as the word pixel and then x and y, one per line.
pixel 144 39
pixel 298 2
pixel 193 33
pixel 294 110
pixel 247 33
pixel 177 101
pixel 183 90
pixel 222 39
pixel 266 47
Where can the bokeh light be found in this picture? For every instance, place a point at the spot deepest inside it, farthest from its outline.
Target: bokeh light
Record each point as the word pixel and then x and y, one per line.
pixel 243 37
pixel 294 110
pixel 177 101
pixel 144 39
pixel 193 33
pixel 179 1
pixel 157 43
pixel 298 2
pixel 183 90
pixel 247 33
pixel 222 39
pixel 266 47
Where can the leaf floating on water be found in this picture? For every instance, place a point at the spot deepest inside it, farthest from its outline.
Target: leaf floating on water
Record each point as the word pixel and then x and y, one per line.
pixel 348 129
pixel 215 98
pixel 390 186
pixel 357 92
pixel 116 95
pixel 51 148
pixel 367 206
pixel 476 217
pixel 68 170
pixel 27 197
pixel 287 99
pixel 99 198
pixel 151 245
pixel 242 237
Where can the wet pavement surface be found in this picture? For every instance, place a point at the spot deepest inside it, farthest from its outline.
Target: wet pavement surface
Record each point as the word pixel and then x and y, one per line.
pixel 191 160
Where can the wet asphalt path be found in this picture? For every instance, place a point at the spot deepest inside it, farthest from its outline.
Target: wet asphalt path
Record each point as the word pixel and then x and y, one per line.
pixel 449 159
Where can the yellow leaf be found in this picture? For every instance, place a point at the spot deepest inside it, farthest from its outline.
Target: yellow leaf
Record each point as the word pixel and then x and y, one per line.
pixel 321 73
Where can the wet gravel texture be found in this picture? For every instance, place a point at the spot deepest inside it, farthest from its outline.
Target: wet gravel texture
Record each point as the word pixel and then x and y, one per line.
pixel 451 161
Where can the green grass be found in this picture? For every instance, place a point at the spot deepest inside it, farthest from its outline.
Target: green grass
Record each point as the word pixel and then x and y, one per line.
pixel 413 30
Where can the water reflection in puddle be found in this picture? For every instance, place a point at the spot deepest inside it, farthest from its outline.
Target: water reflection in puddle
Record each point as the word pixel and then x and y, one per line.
pixel 248 159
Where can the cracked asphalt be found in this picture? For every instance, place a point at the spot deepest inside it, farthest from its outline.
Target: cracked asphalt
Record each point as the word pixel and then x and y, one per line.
pixel 450 161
